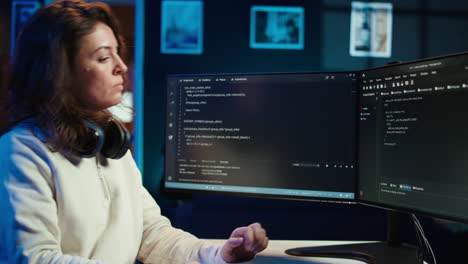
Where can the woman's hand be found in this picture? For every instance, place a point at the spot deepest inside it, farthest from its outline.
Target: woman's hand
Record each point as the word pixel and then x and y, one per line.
pixel 244 243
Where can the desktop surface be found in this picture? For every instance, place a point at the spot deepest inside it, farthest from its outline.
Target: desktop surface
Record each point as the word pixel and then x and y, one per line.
pixel 275 252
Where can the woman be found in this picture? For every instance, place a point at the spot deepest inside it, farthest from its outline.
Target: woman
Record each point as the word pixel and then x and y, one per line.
pixel 67 195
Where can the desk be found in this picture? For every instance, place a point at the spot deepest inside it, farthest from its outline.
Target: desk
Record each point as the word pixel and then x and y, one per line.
pixel 274 253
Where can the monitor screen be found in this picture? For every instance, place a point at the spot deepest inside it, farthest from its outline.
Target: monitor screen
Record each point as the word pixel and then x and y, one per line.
pixel 413 136
pixel 287 135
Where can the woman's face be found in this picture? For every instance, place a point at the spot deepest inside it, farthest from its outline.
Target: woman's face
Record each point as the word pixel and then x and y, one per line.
pixel 98 70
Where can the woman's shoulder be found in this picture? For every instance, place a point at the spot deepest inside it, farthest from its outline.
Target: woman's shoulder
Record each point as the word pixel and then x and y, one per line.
pixel 22 136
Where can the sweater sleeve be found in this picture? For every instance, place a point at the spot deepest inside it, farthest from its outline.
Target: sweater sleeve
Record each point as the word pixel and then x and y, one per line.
pixel 29 228
pixel 164 244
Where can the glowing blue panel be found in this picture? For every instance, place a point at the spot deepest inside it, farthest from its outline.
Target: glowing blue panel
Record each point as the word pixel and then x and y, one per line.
pixel 182 27
pixel 277 27
pixel 139 83
pixel 20 12
pixel 371 29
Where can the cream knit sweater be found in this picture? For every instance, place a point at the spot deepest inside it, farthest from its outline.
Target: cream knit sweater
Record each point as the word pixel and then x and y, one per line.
pixel 57 209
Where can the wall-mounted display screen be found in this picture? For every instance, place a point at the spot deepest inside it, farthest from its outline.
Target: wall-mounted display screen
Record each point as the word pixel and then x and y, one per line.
pixel 371 29
pixel 21 11
pixel 182 27
pixel 277 27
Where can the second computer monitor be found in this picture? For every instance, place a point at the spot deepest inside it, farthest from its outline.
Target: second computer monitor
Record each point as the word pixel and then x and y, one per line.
pixel 413 137
pixel 286 135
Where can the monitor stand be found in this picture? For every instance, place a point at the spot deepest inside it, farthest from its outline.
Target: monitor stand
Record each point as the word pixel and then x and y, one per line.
pixel 388 252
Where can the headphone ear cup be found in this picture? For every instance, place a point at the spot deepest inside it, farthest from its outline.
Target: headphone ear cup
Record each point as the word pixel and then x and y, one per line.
pixel 118 141
pixel 93 142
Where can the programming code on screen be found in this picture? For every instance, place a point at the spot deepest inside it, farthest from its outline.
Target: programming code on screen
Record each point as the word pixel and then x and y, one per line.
pixel 263 134
pixel 413 136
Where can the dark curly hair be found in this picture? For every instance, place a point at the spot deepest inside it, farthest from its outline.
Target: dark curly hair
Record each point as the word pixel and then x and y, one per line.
pixel 40 81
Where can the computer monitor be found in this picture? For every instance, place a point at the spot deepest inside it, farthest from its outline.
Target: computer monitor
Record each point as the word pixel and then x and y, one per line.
pixel 413 137
pixel 293 136
pixel 284 135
